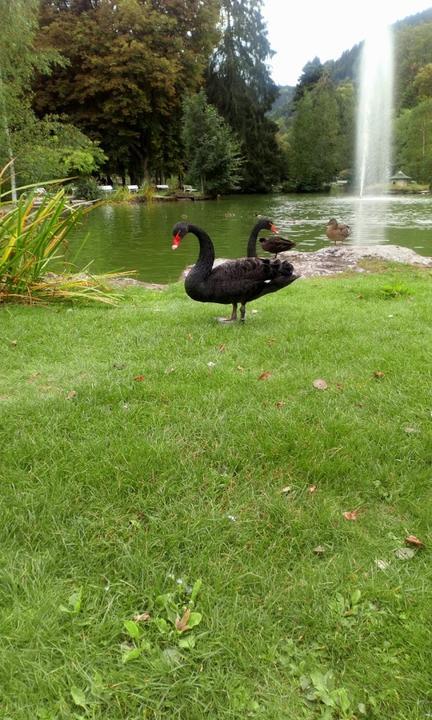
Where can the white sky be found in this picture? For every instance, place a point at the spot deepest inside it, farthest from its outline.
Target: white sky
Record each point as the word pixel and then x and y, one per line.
pixel 298 30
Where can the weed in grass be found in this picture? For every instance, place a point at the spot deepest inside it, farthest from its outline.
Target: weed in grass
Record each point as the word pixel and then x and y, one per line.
pixel 398 290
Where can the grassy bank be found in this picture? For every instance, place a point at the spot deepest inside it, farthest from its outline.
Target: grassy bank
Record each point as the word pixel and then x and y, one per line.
pixel 146 447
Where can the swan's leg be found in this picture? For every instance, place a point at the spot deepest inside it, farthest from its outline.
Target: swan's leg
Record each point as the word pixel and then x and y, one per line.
pixel 242 312
pixel 233 317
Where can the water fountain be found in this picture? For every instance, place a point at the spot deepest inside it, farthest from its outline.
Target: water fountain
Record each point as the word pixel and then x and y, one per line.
pixel 374 134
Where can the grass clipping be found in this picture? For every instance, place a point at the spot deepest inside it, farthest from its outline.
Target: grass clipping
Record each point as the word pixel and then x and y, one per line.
pixel 33 234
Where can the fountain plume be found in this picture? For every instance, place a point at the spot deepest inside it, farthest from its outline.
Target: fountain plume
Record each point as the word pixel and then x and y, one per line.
pixel 374 133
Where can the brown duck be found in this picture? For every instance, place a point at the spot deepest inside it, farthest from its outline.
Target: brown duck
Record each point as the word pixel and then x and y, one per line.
pixel 337 231
pixel 234 281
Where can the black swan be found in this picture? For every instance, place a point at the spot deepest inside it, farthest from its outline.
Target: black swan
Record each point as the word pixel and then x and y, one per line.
pixel 273 244
pixel 337 231
pixel 234 281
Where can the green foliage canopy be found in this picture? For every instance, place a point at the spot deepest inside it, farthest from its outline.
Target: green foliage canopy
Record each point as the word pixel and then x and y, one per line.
pixel 130 64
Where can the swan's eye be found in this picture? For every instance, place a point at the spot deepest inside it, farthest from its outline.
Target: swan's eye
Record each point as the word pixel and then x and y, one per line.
pixel 176 241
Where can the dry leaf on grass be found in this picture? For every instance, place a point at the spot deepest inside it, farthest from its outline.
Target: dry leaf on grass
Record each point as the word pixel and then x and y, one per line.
pixel 351 515
pixel 320 384
pixel 139 378
pixel 312 489
pixel 280 403
pixel 71 395
pixel 414 541
pixel 378 374
pixel 222 348
pixel 319 550
pixel 182 623
pixel 142 617
pixel 410 430
pixel 285 490
pixel 382 564
pixel 405 553
pixel 265 375
pixel 240 367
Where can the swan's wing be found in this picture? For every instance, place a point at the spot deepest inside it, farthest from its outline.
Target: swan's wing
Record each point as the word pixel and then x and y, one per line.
pixel 251 269
pixel 246 279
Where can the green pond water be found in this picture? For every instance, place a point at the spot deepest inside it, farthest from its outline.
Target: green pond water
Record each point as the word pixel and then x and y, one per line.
pixel 138 236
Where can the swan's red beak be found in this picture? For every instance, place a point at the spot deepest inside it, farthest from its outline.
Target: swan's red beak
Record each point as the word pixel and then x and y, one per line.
pixel 176 241
pixel 273 228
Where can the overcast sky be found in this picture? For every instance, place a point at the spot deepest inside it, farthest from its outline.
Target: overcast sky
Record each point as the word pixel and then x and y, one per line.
pixel 300 29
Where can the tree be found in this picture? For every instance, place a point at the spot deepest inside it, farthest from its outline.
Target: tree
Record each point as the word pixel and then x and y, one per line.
pixel 240 86
pixel 51 148
pixel 413 51
pixel 17 63
pixel 414 141
pixel 311 74
pixel 212 152
pixel 130 64
pixel 314 139
pixel 423 82
pixel 346 104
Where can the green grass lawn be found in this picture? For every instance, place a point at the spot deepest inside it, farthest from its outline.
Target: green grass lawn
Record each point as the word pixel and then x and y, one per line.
pixel 141 452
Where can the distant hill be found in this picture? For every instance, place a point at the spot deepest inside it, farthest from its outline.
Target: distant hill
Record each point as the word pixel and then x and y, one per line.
pixel 281 107
pixel 346 67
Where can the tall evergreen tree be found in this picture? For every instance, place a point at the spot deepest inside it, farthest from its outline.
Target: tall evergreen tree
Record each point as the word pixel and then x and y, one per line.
pixel 240 86
pixel 311 74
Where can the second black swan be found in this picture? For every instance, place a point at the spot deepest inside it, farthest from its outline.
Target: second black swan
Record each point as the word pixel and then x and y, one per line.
pixel 273 243
pixel 234 281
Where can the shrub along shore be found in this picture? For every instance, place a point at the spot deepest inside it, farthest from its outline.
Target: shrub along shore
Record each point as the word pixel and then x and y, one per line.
pixel 194 527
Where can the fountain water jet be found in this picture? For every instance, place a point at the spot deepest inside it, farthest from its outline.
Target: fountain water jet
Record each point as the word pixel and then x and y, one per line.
pixel 374 134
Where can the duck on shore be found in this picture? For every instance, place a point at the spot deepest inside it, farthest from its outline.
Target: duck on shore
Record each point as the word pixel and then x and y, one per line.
pixel 337 231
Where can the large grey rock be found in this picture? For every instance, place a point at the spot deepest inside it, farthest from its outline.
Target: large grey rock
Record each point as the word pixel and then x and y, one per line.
pixel 340 258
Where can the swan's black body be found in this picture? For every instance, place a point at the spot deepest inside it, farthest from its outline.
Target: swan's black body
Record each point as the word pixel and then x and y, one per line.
pixel 234 281
pixel 273 244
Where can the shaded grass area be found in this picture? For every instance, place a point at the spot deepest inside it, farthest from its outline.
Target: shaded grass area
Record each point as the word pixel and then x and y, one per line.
pixel 140 451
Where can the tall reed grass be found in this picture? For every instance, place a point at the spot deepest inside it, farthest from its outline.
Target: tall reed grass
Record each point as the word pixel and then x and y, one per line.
pixel 33 238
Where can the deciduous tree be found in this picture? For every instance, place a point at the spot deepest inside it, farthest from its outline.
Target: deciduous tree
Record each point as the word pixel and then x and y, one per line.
pixel 130 64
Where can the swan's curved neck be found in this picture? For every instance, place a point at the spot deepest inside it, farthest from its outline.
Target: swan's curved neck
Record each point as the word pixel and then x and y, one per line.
pixel 206 255
pixel 251 246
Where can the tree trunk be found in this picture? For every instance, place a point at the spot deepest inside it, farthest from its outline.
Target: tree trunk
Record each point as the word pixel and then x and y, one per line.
pixel 8 141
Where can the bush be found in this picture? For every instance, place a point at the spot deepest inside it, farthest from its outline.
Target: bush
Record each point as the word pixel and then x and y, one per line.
pixel 88 189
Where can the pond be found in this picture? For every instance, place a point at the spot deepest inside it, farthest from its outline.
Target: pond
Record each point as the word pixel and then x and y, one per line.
pixel 137 237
